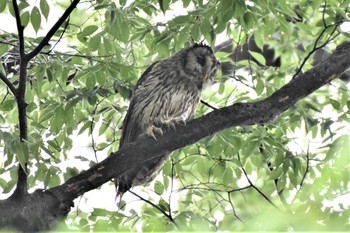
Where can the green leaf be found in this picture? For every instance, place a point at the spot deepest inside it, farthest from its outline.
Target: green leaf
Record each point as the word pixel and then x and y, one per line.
pixel 45 8
pixel 335 104
pixel 221 88
pixel 276 173
pixel 122 2
pixel 164 5
pixel 25 18
pixel 281 185
pixel 207 30
pixel 186 3
pixel 279 159
pixel 21 152
pixel 57 121
pixel 286 165
pixel 100 212
pixel 87 31
pixel 202 166
pixel 124 33
pixel 259 40
pixel 293 178
pixel 251 145
pixel 339 148
pixel 2 5
pixel 8 105
pixel 260 85
pixel 90 81
pixel 158 188
pixel 35 18
pixel 120 27
pixel 259 57
pixel 3 49
pixel 94 42
pixel 54 144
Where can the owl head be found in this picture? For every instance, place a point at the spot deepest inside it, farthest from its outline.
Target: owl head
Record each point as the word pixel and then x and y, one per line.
pixel 200 64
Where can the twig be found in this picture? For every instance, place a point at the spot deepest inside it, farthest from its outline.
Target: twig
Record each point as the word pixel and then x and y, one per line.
pixel 304 175
pixel 157 207
pixel 279 193
pixel 55 27
pixel 318 39
pixel 306 170
pixel 171 185
pixel 233 208
pixel 253 186
pixel 208 105
pixel 92 128
pixel 59 39
pixel 8 84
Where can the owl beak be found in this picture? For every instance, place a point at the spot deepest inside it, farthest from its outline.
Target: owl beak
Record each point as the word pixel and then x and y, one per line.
pixel 216 65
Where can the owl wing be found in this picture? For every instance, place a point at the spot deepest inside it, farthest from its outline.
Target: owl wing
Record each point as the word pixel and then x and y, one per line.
pixel 131 127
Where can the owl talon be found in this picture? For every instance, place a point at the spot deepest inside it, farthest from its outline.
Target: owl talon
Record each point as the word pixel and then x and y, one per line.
pixel 152 130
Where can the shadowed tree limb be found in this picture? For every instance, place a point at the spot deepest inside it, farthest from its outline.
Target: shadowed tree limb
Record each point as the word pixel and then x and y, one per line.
pixel 239 114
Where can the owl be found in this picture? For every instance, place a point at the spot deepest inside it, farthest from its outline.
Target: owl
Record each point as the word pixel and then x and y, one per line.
pixel 166 94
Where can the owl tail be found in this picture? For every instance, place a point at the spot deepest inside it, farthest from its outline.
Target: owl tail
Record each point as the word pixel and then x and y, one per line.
pixel 122 185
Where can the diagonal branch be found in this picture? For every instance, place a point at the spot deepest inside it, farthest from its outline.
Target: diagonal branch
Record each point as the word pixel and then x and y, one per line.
pixel 20 27
pixel 239 114
pixel 8 84
pixel 53 30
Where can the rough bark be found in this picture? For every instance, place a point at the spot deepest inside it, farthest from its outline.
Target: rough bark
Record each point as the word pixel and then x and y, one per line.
pixel 41 209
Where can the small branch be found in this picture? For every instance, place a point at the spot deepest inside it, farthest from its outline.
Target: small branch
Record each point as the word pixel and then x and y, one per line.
pixel 19 27
pixel 8 84
pixel 316 42
pixel 59 39
pixel 171 186
pixel 233 208
pixel 280 193
pixel 208 105
pixel 53 30
pixel 253 186
pixel 306 170
pixel 157 207
pixel 304 175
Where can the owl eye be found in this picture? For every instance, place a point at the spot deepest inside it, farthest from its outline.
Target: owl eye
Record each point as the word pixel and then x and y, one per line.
pixel 201 60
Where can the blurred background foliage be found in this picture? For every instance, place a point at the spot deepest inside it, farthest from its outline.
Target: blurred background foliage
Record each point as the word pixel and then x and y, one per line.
pixel 290 174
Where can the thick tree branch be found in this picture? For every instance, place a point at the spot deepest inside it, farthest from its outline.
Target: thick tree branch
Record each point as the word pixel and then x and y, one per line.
pixel 239 114
pixel 22 186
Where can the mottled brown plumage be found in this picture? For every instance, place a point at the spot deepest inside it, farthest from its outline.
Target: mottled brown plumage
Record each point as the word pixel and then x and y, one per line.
pixel 166 94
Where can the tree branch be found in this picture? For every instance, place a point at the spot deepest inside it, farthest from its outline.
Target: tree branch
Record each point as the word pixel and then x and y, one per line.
pixel 253 186
pixel 8 84
pixel 55 27
pixel 157 207
pixel 22 185
pixel 19 27
pixel 239 114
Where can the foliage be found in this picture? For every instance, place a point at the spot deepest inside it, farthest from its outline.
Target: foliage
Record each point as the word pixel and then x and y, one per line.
pixel 241 179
